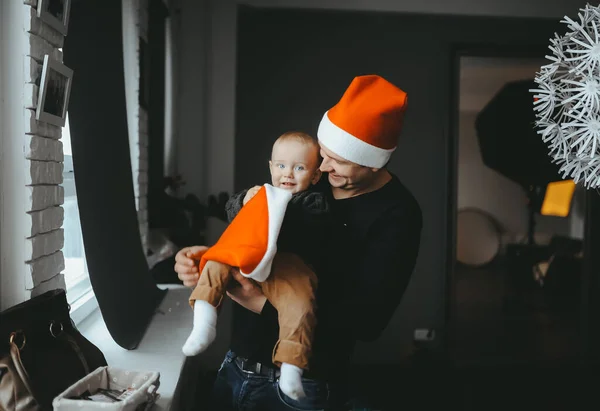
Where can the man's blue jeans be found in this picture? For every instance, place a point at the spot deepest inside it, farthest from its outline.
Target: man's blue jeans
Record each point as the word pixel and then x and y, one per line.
pixel 236 390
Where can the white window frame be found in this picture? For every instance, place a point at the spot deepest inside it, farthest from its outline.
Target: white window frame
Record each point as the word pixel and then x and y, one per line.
pixel 79 294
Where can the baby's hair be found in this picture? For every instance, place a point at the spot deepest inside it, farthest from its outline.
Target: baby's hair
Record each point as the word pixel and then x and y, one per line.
pixel 304 138
pixel 300 136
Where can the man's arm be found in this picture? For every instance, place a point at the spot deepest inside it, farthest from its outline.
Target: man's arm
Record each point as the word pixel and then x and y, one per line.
pixel 382 273
pixel 234 205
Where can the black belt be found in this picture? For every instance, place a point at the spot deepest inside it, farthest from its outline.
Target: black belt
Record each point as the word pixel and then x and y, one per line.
pixel 257 368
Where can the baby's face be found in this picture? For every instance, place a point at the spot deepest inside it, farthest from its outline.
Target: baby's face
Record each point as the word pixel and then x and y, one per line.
pixel 294 165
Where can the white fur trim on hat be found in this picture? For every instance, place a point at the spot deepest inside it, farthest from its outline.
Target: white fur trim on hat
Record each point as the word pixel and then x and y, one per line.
pixel 277 201
pixel 350 147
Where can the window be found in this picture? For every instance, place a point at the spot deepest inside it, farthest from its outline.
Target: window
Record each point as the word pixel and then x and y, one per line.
pixel 79 290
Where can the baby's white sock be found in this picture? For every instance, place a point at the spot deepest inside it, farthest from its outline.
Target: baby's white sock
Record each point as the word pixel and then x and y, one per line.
pixel 290 381
pixel 204 331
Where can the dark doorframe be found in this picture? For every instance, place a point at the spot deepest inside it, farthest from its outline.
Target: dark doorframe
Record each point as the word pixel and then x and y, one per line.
pixel 590 305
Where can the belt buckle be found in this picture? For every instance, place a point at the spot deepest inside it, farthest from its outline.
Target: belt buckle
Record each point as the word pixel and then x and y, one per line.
pixel 247 369
pixel 254 369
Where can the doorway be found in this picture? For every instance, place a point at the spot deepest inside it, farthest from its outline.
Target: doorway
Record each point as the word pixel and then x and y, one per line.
pixel 517 271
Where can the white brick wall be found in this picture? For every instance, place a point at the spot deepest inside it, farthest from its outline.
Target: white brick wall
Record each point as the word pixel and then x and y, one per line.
pixel 43 165
pixel 45 268
pixel 43 196
pixel 43 149
pixel 46 220
pixel 31 212
pixel 140 173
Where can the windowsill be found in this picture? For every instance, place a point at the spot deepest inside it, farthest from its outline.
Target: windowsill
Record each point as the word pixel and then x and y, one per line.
pixel 160 348
pixel 83 307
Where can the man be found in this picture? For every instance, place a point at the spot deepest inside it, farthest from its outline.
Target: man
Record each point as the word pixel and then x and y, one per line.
pixel 373 245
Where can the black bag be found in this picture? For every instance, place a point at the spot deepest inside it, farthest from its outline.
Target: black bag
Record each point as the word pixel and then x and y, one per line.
pixel 41 353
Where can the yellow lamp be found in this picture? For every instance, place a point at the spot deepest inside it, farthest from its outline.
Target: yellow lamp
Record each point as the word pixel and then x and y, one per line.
pixel 558 197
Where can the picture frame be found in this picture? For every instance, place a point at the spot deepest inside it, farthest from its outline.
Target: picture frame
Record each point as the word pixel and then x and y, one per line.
pixel 54 92
pixel 55 13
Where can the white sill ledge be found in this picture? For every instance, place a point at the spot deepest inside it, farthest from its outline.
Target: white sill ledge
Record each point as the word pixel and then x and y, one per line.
pixel 83 307
pixel 160 348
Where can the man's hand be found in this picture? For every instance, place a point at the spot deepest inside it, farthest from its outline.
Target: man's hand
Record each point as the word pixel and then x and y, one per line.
pixel 251 193
pixel 247 294
pixel 187 261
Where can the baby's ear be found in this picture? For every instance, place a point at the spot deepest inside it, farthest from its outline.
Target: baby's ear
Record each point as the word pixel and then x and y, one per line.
pixel 316 177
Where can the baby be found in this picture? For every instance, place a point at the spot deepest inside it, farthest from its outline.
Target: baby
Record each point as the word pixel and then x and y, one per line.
pixel 294 166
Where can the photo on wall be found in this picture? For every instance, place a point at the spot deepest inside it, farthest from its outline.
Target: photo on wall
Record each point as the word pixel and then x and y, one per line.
pixel 55 89
pixel 55 13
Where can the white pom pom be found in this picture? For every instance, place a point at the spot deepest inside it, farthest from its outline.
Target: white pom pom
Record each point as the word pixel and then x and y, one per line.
pixel 567 98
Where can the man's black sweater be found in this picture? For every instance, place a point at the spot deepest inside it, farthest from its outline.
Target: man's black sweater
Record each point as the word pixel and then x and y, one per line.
pixel 370 246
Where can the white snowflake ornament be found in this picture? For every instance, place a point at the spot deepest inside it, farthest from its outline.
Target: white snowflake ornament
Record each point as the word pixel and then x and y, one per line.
pixel 567 98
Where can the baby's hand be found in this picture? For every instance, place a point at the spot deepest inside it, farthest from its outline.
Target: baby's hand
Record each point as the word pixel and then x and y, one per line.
pixel 251 193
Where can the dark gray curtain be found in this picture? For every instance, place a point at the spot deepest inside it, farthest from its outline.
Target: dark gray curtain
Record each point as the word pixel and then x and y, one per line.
pixel 126 293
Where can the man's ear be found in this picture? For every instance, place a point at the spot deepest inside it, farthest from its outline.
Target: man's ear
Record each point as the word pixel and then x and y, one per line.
pixel 375 169
pixel 316 177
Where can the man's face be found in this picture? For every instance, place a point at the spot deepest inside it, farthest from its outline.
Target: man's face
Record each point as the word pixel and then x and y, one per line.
pixel 343 174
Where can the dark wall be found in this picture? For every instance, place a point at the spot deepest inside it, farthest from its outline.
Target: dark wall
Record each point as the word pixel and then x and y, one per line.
pixel 294 65
pixel 157 14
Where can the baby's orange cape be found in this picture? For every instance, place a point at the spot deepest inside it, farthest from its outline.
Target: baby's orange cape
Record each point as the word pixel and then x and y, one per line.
pixel 250 241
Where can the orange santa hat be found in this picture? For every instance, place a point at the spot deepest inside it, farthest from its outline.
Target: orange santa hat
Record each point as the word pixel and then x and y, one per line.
pixel 363 127
pixel 250 241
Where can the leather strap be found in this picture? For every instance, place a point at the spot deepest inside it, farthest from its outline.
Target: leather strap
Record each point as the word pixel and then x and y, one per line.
pixel 15 354
pixel 68 338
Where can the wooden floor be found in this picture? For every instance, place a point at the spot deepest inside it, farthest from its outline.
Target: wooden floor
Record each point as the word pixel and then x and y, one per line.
pixel 502 317
pixel 515 347
pixel 479 388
